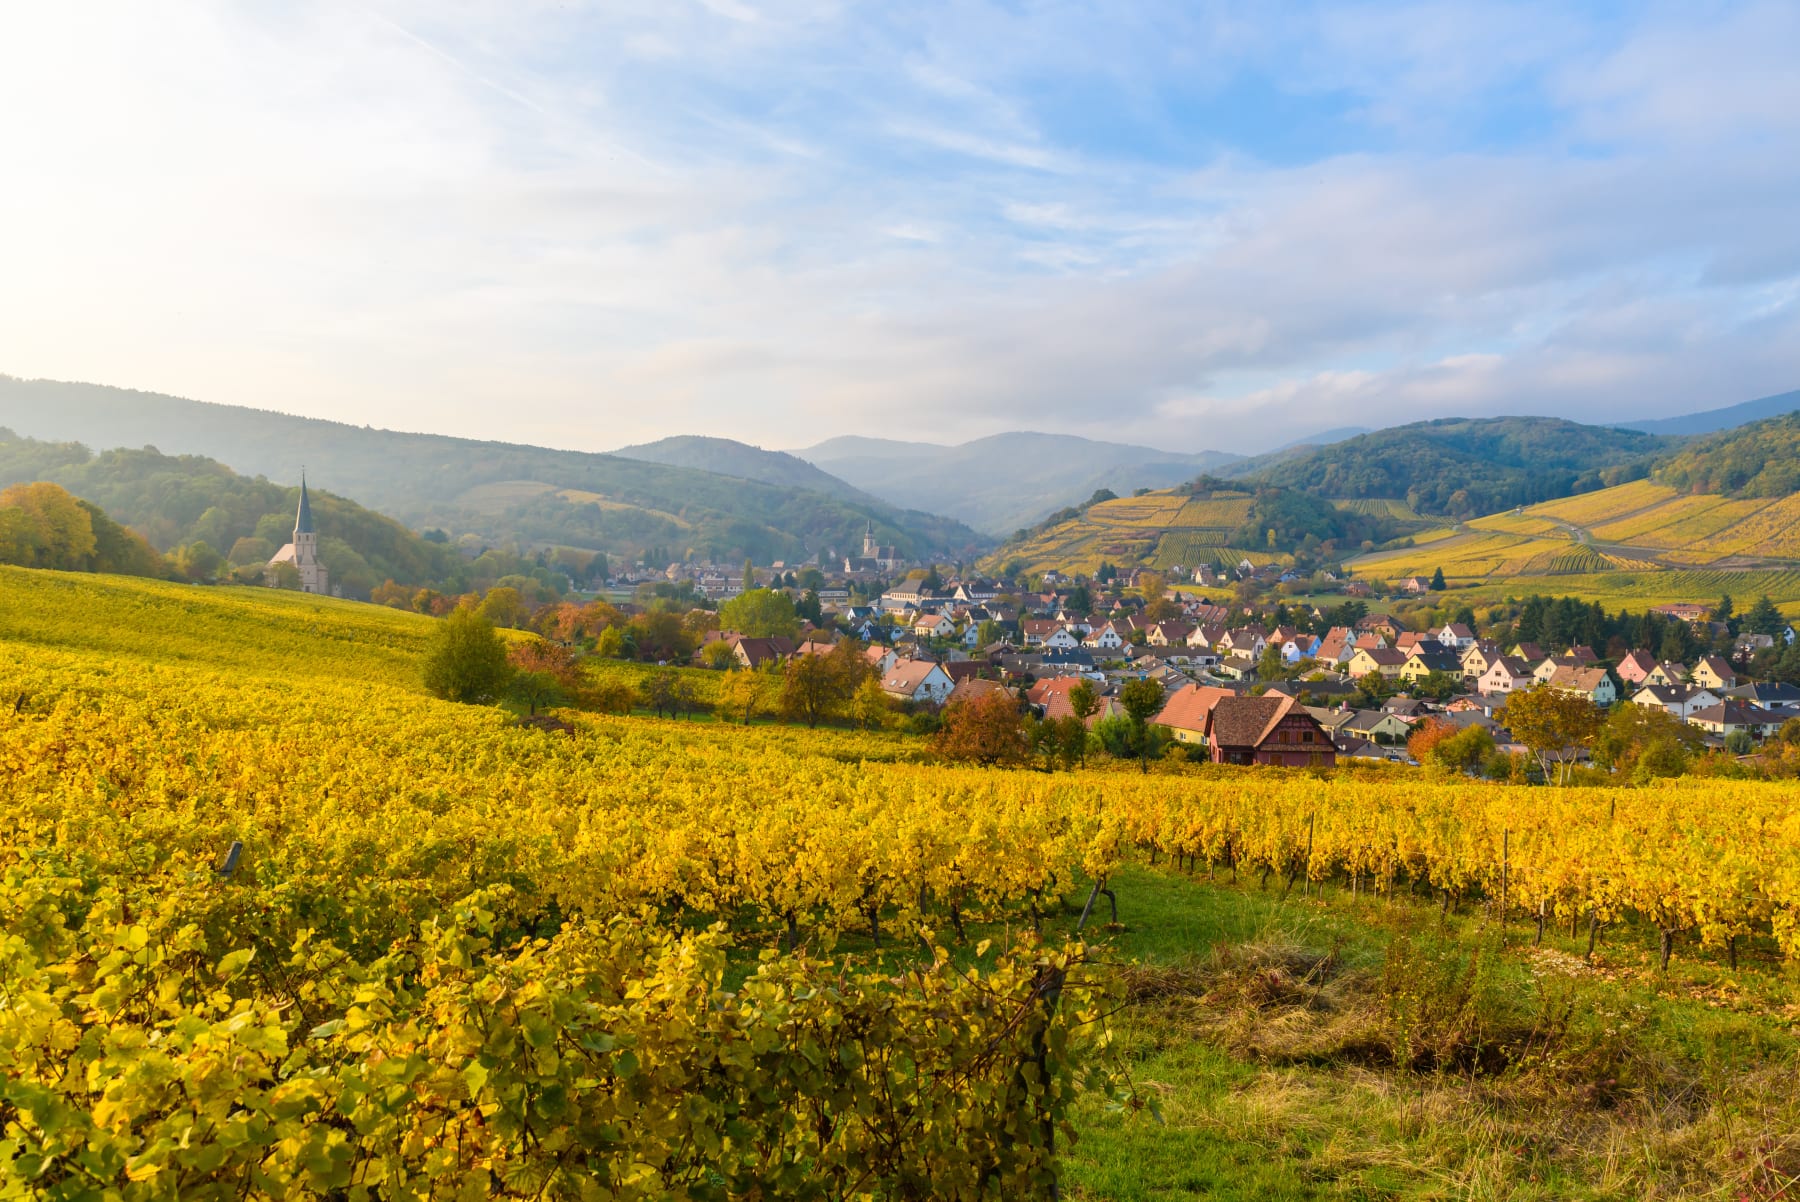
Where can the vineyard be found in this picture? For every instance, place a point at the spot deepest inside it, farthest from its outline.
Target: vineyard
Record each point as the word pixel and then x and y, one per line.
pixel 1160 529
pixel 299 930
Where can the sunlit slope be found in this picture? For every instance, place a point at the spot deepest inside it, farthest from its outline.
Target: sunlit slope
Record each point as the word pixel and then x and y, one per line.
pixel 280 639
pixel 1639 541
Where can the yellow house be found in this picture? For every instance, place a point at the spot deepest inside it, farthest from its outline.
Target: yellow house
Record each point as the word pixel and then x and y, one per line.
pixel 1383 661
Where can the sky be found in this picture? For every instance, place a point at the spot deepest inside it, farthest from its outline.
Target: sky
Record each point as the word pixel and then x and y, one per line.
pixel 1193 225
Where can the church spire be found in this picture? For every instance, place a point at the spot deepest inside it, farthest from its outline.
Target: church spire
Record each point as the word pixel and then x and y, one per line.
pixel 303 523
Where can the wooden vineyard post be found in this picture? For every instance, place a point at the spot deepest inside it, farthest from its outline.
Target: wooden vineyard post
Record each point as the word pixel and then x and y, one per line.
pixel 1505 866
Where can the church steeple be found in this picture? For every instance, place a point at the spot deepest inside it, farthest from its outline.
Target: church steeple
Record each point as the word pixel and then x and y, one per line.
pixel 303 522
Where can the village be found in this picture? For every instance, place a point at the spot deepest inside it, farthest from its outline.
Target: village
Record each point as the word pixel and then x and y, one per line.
pixel 1324 685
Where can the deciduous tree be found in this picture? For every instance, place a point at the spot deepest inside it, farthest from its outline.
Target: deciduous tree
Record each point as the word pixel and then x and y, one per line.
pixel 467 660
pixel 986 729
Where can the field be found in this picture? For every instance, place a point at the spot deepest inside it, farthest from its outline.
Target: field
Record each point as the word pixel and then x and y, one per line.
pixel 458 955
pixel 1634 542
pixel 1161 529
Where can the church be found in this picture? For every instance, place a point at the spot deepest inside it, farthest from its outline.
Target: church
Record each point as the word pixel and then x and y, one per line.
pixel 874 557
pixel 303 552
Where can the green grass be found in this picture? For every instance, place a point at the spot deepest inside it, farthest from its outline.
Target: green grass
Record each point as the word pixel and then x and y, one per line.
pixel 1711 1056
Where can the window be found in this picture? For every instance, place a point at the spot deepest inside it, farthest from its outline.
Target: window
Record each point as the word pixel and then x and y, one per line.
pixel 1306 736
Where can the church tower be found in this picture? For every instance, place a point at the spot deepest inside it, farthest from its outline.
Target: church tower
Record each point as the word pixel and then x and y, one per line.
pixel 870 550
pixel 306 546
pixel 303 552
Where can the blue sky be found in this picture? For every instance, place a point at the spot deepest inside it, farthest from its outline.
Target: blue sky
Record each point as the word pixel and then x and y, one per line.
pixel 1189 224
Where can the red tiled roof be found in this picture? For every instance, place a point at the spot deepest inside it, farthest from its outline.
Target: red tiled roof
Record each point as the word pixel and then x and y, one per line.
pixel 1188 707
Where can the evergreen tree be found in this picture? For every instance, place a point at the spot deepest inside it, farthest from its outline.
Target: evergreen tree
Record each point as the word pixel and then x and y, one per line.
pixel 1437 581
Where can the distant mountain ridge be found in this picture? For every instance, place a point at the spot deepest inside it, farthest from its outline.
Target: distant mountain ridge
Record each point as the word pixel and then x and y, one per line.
pixel 727 457
pixel 1004 482
pixel 495 490
pixel 1711 421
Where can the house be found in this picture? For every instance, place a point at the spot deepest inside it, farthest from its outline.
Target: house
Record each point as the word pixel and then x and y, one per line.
pixel 1296 647
pixel 754 653
pixel 1667 673
pixel 1382 661
pixel 1207 635
pixel 1592 683
pixel 1168 634
pixel 1478 657
pixel 1732 715
pixel 1337 646
pixel 917 680
pixel 1636 667
pixel 1409 708
pixel 1271 730
pixel 1105 637
pixel 1057 661
pixel 1035 630
pixel 1531 653
pixel 880 658
pixel 1683 611
pixel 1415 585
pixel 1376 726
pixel 1714 673
pixel 1677 700
pixel 1456 635
pixel 973 688
pixel 1421 664
pixel 1380 624
pixel 1768 693
pixel 933 626
pixel 1186 711
pixel 1247 640
pixel 1507 674
pixel 1235 666
pixel 1349 747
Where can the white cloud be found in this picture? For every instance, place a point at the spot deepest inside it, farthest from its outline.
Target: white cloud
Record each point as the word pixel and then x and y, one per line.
pixel 600 224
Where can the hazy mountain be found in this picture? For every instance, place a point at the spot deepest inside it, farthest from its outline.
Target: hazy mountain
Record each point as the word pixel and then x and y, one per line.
pixel 493 490
pixel 726 457
pixel 1462 467
pixel 1324 438
pixel 1006 481
pixel 1711 420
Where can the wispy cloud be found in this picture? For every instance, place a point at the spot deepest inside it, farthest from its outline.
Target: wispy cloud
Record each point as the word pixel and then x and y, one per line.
pixel 1199 225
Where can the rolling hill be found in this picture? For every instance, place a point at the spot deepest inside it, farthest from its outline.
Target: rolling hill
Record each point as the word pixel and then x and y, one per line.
pixel 176 500
pixel 493 490
pixel 1209 522
pixel 1004 482
pixel 1718 515
pixel 1464 467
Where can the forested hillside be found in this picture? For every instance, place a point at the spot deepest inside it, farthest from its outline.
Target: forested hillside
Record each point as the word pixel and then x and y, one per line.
pixel 1758 460
pixel 179 501
pixel 1461 468
pixel 495 490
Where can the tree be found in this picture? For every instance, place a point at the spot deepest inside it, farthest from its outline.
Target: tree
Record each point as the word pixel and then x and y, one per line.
pixel 989 632
pixel 1764 618
pixel 504 606
pixel 535 691
pixel 1426 736
pixel 718 655
pixel 199 562
pixel 817 686
pixel 1071 741
pixel 1631 730
pixel 985 729
pixel 870 705
pixel 659 693
pixel 612 695
pixel 1739 742
pixel 1552 723
pixel 1437 581
pixel 42 525
pixel 749 576
pixel 466 660
pixel 1142 700
pixel 394 596
pixel 740 695
pixel 1722 612
pixel 760 613
pixel 541 657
